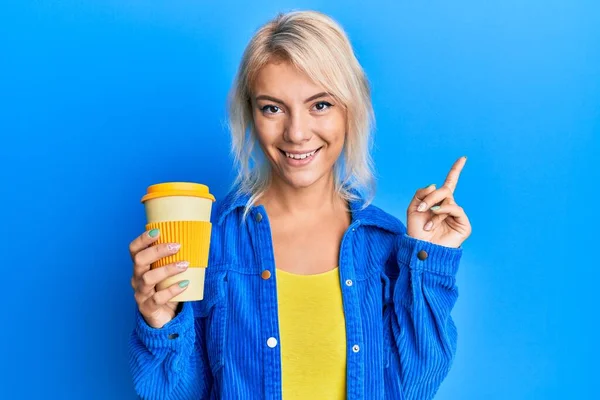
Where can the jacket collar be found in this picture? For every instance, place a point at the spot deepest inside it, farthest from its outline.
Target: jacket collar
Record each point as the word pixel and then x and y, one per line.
pixel 369 216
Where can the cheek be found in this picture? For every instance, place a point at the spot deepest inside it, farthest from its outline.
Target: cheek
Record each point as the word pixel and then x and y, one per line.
pixel 267 130
pixel 334 129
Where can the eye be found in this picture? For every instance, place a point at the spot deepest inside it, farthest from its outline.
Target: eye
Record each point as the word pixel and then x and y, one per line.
pixel 322 106
pixel 269 109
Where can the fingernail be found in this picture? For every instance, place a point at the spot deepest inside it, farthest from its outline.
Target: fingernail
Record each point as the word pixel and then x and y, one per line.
pixel 173 247
pixel 422 206
pixel 435 208
pixel 428 186
pixel 183 284
pixel 153 233
pixel 182 264
pixel 428 225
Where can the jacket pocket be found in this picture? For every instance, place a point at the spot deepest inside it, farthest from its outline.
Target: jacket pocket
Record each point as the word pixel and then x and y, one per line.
pixel 211 312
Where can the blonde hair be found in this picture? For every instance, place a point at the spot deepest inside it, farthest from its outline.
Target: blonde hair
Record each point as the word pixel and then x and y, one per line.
pixel 316 45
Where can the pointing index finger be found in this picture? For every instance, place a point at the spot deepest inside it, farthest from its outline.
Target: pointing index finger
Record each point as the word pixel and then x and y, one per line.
pixel 453 175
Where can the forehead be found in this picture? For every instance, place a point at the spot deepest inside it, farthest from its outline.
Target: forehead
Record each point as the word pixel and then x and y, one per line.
pixel 282 79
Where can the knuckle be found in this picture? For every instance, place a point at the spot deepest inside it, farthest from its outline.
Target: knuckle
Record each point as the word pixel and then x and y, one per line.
pixel 138 298
pixel 137 259
pixel 136 271
pixel 147 279
pixel 156 299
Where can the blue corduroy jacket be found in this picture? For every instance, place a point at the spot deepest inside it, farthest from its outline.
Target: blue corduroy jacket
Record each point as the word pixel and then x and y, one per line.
pixel 397 294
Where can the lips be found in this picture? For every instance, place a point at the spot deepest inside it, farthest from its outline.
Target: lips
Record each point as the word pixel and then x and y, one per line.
pixel 300 155
pixel 300 159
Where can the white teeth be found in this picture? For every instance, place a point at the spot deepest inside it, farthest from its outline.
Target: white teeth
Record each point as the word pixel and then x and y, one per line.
pixel 300 156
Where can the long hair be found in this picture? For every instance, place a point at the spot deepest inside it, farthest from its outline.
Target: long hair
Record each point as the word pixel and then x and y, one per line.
pixel 318 46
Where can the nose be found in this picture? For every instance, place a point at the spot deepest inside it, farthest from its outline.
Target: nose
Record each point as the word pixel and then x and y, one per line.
pixel 297 129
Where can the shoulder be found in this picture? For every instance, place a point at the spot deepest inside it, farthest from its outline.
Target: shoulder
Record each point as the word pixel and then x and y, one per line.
pixel 377 240
pixel 380 221
pixel 230 203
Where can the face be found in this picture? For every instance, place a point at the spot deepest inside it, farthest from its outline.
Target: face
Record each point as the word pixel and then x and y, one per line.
pixel 300 127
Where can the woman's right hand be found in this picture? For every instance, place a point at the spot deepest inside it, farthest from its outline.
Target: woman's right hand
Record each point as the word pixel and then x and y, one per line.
pixel 154 305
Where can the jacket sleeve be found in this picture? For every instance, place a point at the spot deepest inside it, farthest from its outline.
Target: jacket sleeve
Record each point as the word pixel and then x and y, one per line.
pixel 423 297
pixel 170 362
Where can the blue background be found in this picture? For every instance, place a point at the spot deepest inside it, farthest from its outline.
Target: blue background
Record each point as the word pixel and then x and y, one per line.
pixel 101 99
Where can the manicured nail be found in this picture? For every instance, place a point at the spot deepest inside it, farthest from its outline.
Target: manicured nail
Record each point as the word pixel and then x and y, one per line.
pixel 422 206
pixel 428 225
pixel 183 284
pixel 182 264
pixel 173 247
pixel 428 186
pixel 153 233
pixel 435 208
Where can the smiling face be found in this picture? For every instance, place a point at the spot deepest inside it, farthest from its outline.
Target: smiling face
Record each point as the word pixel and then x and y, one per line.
pixel 300 127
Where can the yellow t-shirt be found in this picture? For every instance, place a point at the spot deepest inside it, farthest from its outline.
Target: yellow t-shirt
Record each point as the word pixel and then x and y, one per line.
pixel 312 333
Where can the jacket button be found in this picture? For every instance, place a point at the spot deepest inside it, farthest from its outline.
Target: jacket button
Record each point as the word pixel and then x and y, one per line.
pixel 266 274
pixel 271 342
pixel 258 217
pixel 422 255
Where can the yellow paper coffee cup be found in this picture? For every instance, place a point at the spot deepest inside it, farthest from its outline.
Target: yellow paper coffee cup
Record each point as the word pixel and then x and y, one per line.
pixel 181 210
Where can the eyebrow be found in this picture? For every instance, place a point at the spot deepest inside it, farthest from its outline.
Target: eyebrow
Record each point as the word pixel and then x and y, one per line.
pixel 314 97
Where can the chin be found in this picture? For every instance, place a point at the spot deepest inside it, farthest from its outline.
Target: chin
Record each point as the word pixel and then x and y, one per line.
pixel 301 180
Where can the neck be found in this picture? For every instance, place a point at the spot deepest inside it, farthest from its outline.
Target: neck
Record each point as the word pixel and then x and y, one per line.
pixel 282 198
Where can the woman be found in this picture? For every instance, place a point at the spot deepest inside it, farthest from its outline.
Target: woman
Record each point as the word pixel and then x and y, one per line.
pixel 310 291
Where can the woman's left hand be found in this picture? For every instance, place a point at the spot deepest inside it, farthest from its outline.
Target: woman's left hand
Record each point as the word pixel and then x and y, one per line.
pixel 446 225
